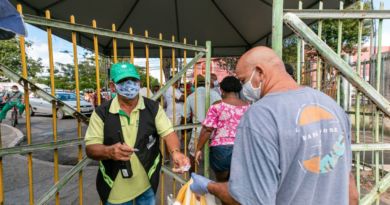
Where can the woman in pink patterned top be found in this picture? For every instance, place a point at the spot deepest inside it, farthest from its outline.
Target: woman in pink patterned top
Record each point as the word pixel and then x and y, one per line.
pixel 221 124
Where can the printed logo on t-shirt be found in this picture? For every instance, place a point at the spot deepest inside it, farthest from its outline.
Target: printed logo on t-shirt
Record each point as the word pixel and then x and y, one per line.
pixel 324 141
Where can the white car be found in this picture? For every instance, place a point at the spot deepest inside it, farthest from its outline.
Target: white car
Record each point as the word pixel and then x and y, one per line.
pixel 40 106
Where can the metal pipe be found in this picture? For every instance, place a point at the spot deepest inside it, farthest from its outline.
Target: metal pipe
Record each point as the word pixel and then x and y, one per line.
pixel 54 107
pixel 28 120
pixel 318 72
pixel 176 177
pixel 97 65
pixel 185 103
pixel 339 41
pixel 299 27
pixel 336 14
pixel 207 105
pixel 162 145
pixel 177 77
pixel 173 63
pixel 195 130
pixel 378 83
pixel 63 181
pixel 131 47
pixel 79 134
pixel 25 149
pixel 357 101
pixel 147 66
pixel 39 21
pixel 379 188
pixel 114 45
pixel 277 27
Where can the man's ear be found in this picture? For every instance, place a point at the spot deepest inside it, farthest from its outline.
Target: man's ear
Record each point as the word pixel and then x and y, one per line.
pixel 260 72
pixel 112 87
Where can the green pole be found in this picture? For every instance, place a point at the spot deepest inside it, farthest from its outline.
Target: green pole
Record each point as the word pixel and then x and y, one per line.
pixel 318 72
pixel 339 39
pixel 207 104
pixel 377 86
pixel 299 53
pixel 277 27
pixel 357 102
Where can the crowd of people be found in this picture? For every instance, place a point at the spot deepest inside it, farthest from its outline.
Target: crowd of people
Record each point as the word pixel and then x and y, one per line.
pixel 271 140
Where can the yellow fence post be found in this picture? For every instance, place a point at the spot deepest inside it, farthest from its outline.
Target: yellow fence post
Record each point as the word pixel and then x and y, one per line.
pixel 76 76
pixel 185 102
pixel 147 66
pixel 97 65
pixel 28 120
pixel 173 63
pixel 114 47
pixel 131 47
pixel 162 145
pixel 54 106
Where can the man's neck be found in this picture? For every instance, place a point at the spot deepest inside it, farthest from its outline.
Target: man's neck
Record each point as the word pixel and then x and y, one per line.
pixel 127 105
pixel 280 85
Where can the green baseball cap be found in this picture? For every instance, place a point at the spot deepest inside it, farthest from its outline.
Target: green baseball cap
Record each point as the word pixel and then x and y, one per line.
pixel 120 71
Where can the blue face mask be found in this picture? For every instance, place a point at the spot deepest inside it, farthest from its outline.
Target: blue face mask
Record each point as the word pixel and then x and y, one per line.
pixel 128 89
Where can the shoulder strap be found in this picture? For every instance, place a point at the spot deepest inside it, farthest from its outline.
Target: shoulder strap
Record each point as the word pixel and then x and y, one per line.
pixel 103 109
pixel 151 105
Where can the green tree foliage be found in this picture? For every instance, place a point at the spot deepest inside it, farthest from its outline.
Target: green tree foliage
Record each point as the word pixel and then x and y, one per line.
pixel 330 36
pixel 65 75
pixel 10 57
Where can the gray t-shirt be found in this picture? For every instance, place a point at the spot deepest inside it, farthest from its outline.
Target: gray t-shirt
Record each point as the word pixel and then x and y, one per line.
pixel 292 148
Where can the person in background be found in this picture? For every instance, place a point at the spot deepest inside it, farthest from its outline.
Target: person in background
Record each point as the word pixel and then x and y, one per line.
pixel 214 84
pixel 198 112
pixel 155 89
pixel 12 98
pixel 174 92
pixel 144 91
pixel 290 70
pixel 220 126
pixel 293 145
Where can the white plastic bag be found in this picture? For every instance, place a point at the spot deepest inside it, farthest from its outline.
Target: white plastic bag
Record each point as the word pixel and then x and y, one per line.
pixel 187 197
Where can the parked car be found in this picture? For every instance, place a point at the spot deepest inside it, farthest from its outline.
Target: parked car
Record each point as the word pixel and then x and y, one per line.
pixel 38 105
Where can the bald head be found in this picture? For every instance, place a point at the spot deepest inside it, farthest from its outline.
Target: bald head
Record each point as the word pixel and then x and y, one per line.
pixel 264 68
pixel 261 56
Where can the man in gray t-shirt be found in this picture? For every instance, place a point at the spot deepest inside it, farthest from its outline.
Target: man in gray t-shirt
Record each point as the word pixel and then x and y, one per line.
pixel 293 146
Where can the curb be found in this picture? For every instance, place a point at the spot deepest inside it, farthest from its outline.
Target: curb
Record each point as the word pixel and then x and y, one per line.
pixel 19 135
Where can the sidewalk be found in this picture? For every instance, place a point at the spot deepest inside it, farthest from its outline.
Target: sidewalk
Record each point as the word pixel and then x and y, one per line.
pixel 15 176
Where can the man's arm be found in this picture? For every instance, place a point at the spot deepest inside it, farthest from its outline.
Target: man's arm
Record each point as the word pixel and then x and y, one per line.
pixel 353 193
pixel 221 191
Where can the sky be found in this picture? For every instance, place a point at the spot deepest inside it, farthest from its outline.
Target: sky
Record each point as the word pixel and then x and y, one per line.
pixel 39 48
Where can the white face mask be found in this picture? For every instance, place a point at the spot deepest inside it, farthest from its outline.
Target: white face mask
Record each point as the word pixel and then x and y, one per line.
pixel 250 93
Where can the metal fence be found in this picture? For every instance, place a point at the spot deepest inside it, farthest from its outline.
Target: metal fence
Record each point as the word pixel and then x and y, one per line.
pixel 331 75
pixel 176 48
pixel 369 109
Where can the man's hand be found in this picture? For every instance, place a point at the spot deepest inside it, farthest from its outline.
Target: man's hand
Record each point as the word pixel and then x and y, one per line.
pixel 199 184
pixel 181 162
pixel 198 157
pixel 120 152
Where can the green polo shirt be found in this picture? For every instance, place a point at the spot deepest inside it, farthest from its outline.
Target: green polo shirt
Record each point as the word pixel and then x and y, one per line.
pixel 124 190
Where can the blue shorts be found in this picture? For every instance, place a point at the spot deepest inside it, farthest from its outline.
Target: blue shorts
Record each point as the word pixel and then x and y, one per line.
pixel 221 158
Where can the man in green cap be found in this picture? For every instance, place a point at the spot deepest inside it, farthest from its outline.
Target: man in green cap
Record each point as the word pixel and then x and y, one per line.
pixel 124 135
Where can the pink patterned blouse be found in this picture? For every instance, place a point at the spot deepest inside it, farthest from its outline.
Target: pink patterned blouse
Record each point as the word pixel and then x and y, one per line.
pixel 224 118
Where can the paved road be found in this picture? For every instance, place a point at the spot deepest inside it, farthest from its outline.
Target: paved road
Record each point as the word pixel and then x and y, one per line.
pixel 42 132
